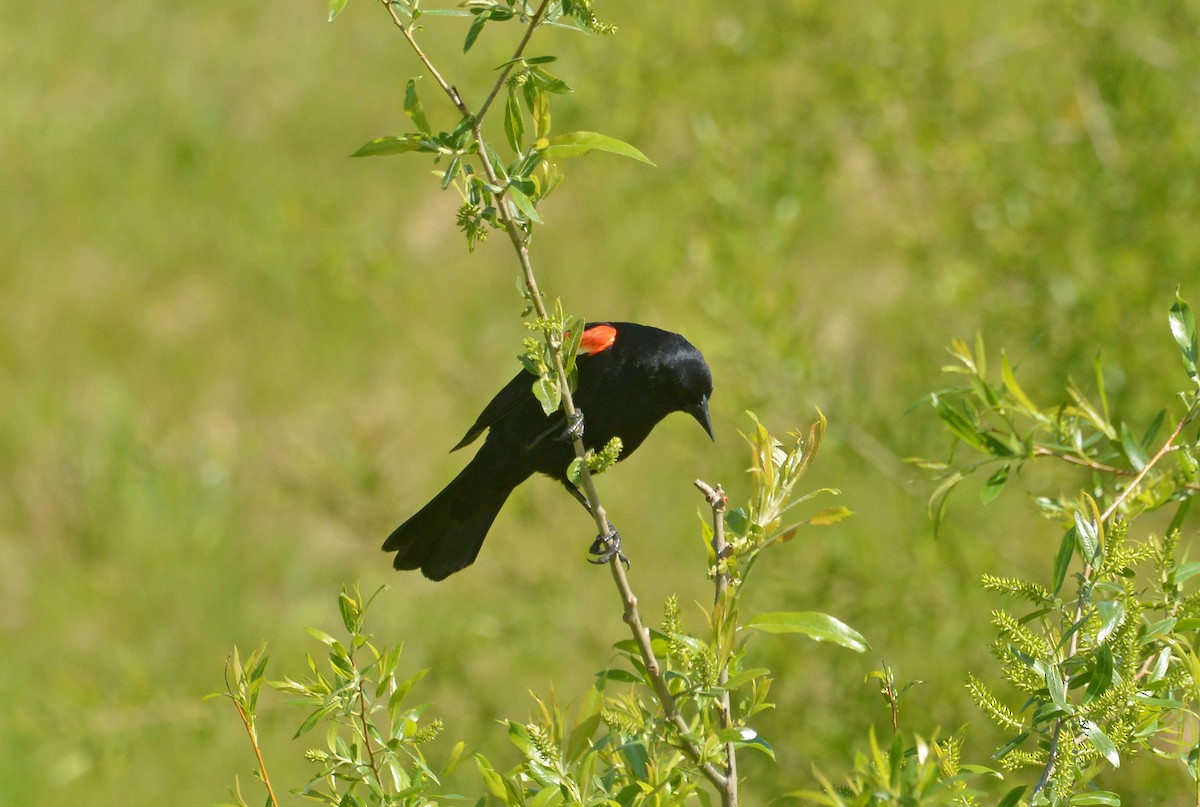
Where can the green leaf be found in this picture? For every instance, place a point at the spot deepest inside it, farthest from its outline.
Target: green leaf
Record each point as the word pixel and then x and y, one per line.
pixel 1133 449
pixel 994 485
pixel 1058 689
pixel 1102 675
pixel 1062 561
pixel 392 144
pixel 548 82
pixel 474 31
pixel 413 108
pixel 1010 383
pixel 548 394
pixel 1112 615
pixel 970 433
pixel 539 107
pixel 1186 571
pixel 321 636
pixel 1104 745
pixel 817 626
pixel 1088 534
pixel 349 611
pixel 524 204
pixel 514 122
pixel 1012 797
pixel 1097 797
pixel 623 676
pixel 1183 328
pixel 830 515
pixel 335 8
pixel 574 144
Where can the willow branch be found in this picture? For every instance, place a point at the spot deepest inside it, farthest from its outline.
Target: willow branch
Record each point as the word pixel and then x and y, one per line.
pixel 534 21
pixel 519 239
pixel 406 30
pixel 248 721
pixel 654 671
pixel 1167 446
pixel 717 500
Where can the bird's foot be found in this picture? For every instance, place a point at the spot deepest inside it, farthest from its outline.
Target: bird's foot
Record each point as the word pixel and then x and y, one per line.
pixel 606 547
pixel 574 427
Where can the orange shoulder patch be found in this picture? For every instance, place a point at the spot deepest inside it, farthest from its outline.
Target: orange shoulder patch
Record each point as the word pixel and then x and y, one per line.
pixel 597 338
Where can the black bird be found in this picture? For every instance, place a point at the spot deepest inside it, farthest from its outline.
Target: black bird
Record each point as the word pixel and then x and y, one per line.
pixel 630 377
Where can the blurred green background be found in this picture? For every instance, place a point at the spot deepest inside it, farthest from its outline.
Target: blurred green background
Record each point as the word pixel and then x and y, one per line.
pixel 232 359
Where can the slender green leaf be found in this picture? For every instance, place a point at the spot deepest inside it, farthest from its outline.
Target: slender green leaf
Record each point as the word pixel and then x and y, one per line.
pixel 1102 675
pixel 1010 383
pixel 548 82
pixel 524 204
pixel 817 626
pixel 1186 571
pixel 830 515
pixel 969 432
pixel 1104 745
pixel 393 144
pixel 1112 615
pixel 413 108
pixel 1012 797
pixel 995 484
pixel 474 31
pixel 321 636
pixel 1183 328
pixel 1057 688
pixel 574 144
pixel 1133 449
pixel 1062 561
pixel 335 8
pixel 1088 535
pixel 1105 797
pixel 514 121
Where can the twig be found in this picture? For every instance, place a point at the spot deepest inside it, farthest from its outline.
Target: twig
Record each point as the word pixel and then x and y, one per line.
pixel 262 766
pixel 362 714
pixel 654 671
pixel 533 23
pixel 717 500
pixel 1187 418
pixel 406 30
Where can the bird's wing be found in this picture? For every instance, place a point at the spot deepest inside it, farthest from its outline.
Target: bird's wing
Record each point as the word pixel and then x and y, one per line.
pixel 506 400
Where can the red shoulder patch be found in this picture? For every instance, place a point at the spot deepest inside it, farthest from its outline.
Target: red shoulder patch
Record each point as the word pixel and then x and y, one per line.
pixel 597 338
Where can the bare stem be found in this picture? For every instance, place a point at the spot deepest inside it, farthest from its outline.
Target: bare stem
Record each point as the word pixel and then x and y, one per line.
pixel 248 722
pixel 406 30
pixel 717 500
pixel 362 714
pixel 654 670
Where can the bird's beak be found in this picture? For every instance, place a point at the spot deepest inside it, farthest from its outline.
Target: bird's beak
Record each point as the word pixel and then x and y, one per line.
pixel 700 413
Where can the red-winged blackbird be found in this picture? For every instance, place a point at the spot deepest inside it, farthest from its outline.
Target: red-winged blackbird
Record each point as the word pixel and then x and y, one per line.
pixel 630 377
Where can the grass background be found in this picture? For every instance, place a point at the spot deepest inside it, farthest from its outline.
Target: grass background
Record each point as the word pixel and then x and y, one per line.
pixel 232 359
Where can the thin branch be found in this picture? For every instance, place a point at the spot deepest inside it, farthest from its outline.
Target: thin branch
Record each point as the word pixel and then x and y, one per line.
pixel 534 21
pixel 717 500
pixel 670 708
pixel 362 714
pixel 1187 418
pixel 406 30
pixel 248 722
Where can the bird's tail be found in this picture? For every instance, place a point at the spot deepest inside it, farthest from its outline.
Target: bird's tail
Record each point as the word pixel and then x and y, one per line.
pixel 446 534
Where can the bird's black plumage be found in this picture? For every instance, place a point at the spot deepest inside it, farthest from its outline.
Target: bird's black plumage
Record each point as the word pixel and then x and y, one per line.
pixel 634 376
